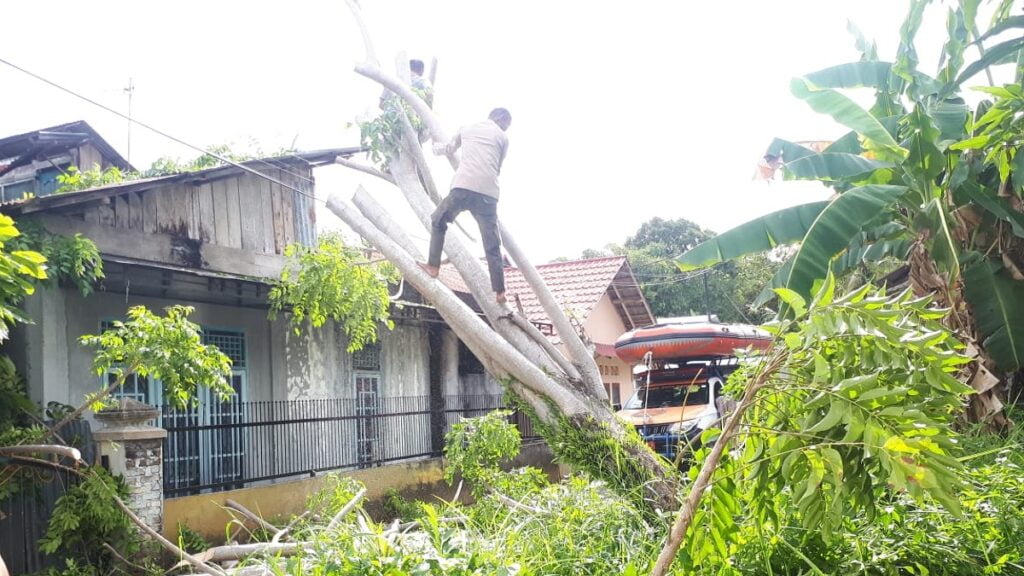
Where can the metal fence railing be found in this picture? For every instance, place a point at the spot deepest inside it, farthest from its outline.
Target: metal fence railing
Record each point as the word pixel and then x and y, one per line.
pixel 221 446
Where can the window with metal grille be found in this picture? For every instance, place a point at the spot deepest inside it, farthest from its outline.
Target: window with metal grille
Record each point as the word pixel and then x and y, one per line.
pixel 368 358
pixel 231 343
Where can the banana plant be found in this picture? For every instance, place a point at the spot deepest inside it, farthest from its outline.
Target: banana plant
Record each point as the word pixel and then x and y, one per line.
pixel 921 176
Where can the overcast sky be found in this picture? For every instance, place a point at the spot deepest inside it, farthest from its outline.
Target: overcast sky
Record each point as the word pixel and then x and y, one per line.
pixel 622 111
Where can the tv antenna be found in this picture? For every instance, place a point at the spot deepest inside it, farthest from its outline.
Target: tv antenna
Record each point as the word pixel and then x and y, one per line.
pixel 129 90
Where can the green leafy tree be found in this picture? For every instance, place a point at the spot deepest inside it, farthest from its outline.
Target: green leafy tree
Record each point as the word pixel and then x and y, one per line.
pixel 921 177
pixel 75 179
pixel 334 282
pixel 732 287
pixel 20 270
pixel 166 348
pixel 72 260
pixel 856 404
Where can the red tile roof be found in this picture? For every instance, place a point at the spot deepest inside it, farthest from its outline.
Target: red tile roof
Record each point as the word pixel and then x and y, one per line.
pixel 577 285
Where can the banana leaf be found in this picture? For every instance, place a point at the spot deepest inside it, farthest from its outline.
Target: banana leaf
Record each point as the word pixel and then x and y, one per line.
pixel 834 229
pixel 998 304
pixel 845 111
pixel 778 228
pixel 832 166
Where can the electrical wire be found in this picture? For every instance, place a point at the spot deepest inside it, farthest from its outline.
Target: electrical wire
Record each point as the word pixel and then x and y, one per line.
pixel 200 149
pixel 668 279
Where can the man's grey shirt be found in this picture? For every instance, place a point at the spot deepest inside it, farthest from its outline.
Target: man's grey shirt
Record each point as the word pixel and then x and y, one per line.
pixel 484 146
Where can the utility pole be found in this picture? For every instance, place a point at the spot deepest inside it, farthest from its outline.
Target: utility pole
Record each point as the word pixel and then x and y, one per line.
pixel 707 301
pixel 130 90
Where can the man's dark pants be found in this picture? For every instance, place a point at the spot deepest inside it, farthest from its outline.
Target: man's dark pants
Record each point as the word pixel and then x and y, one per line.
pixel 485 210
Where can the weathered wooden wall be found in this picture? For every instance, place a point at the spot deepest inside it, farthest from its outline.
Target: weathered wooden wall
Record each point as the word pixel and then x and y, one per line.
pixel 239 224
pixel 244 212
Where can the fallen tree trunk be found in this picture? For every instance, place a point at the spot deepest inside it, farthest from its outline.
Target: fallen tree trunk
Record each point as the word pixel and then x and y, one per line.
pixel 564 395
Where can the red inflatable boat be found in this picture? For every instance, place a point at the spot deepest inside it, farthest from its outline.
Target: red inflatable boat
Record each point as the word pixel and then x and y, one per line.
pixel 690 340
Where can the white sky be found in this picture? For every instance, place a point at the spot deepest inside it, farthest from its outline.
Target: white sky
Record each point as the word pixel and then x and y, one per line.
pixel 622 111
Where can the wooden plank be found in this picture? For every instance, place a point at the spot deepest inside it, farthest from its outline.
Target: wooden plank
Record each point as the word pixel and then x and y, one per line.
pixel 249 209
pixel 167 249
pixel 234 214
pixel 121 212
pixel 220 212
pixel 275 199
pixel 175 221
pixel 134 211
pixel 106 214
pixel 267 216
pixel 204 216
pixel 149 211
pixel 194 212
pixel 288 211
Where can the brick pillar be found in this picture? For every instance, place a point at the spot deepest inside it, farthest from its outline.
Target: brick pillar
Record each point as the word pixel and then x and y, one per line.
pixel 129 446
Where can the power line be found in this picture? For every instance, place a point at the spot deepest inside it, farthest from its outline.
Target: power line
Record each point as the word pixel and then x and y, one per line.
pixel 131 120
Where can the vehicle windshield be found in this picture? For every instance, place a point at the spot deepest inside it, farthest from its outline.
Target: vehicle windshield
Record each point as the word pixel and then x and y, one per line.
pixel 668 396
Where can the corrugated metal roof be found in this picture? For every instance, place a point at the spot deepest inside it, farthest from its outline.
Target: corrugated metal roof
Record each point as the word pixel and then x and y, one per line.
pixel 313 158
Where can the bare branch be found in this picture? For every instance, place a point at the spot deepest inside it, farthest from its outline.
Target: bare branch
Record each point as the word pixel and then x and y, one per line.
pixel 707 469
pixel 64 451
pixel 364 168
pixel 284 531
pixel 357 13
pixel 242 551
pixel 532 331
pixel 581 357
pixel 346 509
pixel 511 503
pixel 437 132
pixel 125 561
pixel 267 526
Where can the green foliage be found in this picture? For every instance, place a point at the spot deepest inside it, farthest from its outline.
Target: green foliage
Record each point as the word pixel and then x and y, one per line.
pixel 83 519
pixel 167 348
pixel 191 541
pixel 732 286
pixel 475 447
pixel 333 282
pixel 166 166
pixel 382 135
pixel 859 414
pixel 397 506
pixel 70 259
pixel 20 270
pixel 959 167
pixel 75 179
pixel 590 447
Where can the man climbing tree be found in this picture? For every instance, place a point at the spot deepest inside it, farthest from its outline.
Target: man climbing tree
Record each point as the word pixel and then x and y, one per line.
pixel 475 188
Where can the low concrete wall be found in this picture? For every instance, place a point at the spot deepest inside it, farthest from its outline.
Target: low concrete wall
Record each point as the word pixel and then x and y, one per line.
pixel 420 480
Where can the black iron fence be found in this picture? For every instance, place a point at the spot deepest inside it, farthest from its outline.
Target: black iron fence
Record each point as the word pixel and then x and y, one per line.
pixel 232 444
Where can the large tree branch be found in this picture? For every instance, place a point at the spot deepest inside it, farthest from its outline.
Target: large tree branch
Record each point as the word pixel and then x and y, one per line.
pixel 578 352
pixel 467 326
pixel 475 277
pixel 376 213
pixel 364 169
pixel 581 357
